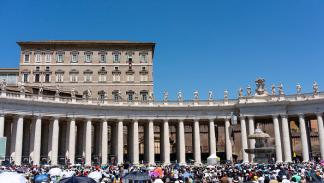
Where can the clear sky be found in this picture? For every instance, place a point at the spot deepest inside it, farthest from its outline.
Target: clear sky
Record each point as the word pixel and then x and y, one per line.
pixel 204 45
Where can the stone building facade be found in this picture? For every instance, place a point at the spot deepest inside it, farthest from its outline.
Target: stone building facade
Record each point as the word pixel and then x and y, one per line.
pixel 109 69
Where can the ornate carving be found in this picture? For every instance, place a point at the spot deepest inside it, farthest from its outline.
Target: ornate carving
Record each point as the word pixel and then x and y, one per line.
pixel 73 92
pixel 260 84
pixel 57 91
pixel 226 94
pixel 3 85
pixel 165 96
pixel 273 89
pixel 40 90
pixel 22 88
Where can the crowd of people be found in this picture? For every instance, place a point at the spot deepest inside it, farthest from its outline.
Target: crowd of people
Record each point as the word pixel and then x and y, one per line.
pixel 223 173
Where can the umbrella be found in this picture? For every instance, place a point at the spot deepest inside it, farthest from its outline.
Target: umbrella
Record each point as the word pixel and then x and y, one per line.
pixel 75 179
pixel 55 172
pixel 66 174
pixel 159 171
pixel 41 178
pixel 11 177
pixel 95 176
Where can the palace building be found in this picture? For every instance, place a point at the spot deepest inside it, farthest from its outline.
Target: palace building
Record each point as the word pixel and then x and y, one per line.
pixel 60 113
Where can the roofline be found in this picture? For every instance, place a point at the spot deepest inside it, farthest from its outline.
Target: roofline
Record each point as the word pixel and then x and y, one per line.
pixel 84 42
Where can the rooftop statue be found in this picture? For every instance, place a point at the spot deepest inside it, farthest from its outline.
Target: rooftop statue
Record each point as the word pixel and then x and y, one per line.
pixel 273 89
pixel 298 89
pixel 240 92
pixel 260 84
pixel 165 96
pixel 22 88
pixel 57 91
pixel 210 95
pixel 40 90
pixel 280 89
pixel 248 91
pixel 315 88
pixel 3 85
pixel 226 94
pixel 180 97
pixel 73 92
pixel 196 95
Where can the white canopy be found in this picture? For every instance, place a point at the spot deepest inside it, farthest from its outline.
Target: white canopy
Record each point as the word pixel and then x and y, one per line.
pixel 11 177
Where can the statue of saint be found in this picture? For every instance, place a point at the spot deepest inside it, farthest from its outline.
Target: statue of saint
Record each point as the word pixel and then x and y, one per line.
pixel 240 92
pixel 273 89
pixel 210 95
pixel 225 94
pixel 89 93
pixel 57 91
pixel 73 92
pixel 248 91
pixel 180 96
pixel 315 88
pixel 3 85
pixel 22 88
pixel 280 89
pixel 298 88
pixel 165 96
pixel 40 90
pixel 151 96
pixel 119 95
pixel 196 95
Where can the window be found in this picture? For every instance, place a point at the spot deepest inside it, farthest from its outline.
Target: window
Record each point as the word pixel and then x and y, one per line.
pixel 102 77
pixel 47 68
pixel 102 58
pixel 59 77
pixel 74 58
pixel 116 68
pixel 144 96
pixel 48 58
pixel 37 68
pixel 73 77
pixel 87 77
pixel 26 58
pixel 130 96
pixel 143 58
pixel 144 77
pixel 116 77
pixel 25 77
pixel 116 58
pixel 88 58
pixel 130 78
pixel 101 96
pixel 38 58
pixel 115 96
pixel 47 78
pixel 60 58
pixel 36 78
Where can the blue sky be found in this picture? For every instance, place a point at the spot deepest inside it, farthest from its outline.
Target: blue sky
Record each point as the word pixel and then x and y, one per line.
pixel 204 45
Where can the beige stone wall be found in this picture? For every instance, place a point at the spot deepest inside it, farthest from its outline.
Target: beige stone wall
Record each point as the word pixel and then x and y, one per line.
pixel 123 66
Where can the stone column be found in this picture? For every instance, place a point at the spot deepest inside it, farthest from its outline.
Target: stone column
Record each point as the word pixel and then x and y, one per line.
pixel 303 137
pixel 251 131
pixel 244 140
pixel 2 124
pixel 55 139
pixel 13 137
pixel 228 143
pixel 151 142
pixel 181 143
pixel 120 142
pixel 88 143
pixel 277 138
pixel 19 140
pixel 72 141
pixel 37 140
pixel 320 133
pixel 196 142
pixel 135 143
pixel 104 142
pixel 165 142
pixel 286 138
pixel 212 138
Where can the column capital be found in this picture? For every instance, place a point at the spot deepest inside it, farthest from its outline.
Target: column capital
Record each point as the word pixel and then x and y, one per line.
pixel 274 116
pixel 284 115
pixel 301 115
pixel 250 117
pixel 242 117
pixel 319 114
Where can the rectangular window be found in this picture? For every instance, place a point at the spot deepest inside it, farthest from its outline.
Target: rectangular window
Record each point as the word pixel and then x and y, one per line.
pixel 38 58
pixel 116 77
pixel 87 78
pixel 36 78
pixel 60 58
pixel 59 77
pixel 144 78
pixel 116 58
pixel 102 58
pixel 74 78
pixel 116 98
pixel 74 58
pixel 26 58
pixel 143 58
pixel 102 77
pixel 130 97
pixel 144 97
pixel 47 78
pixel 48 58
pixel 25 77
pixel 130 78
pixel 88 58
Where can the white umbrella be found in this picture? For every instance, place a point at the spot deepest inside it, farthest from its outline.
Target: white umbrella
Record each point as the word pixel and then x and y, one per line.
pixel 11 177
pixel 95 176
pixel 55 172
